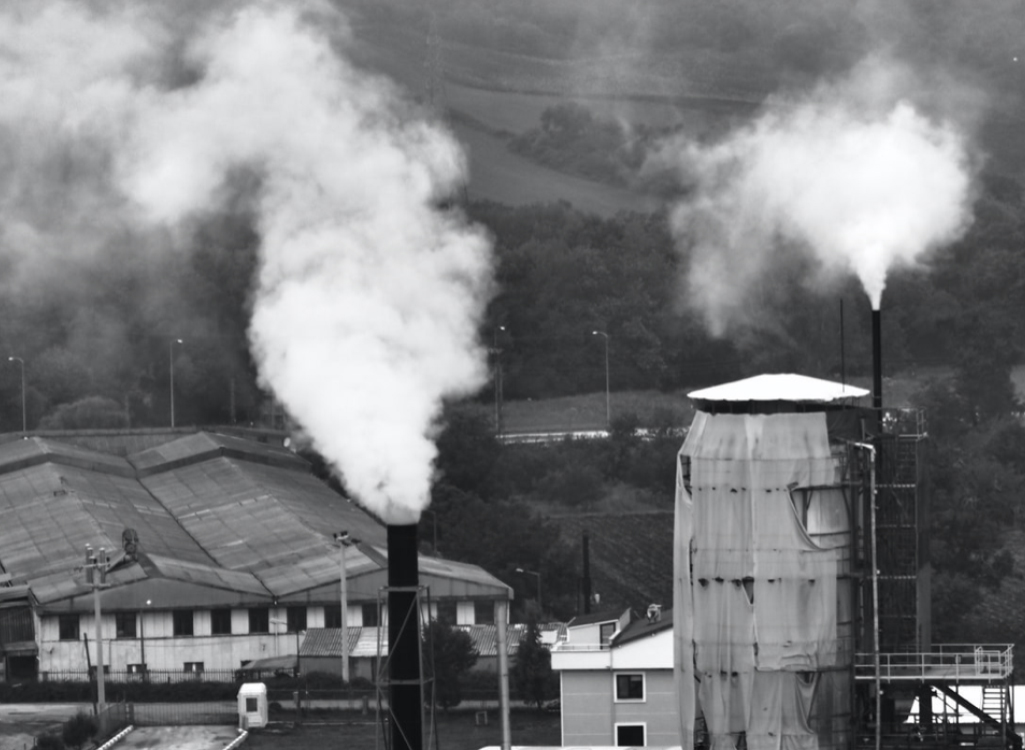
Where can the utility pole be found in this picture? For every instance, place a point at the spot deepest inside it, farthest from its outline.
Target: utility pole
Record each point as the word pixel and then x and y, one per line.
pixel 96 575
pixel 344 541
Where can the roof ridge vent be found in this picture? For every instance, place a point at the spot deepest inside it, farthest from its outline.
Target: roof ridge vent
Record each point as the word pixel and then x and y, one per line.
pixel 654 613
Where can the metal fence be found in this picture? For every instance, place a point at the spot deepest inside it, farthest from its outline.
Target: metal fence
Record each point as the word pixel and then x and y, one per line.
pixel 150 675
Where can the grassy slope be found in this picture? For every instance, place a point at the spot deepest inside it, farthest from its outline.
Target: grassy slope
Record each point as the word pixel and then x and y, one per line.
pixel 491 95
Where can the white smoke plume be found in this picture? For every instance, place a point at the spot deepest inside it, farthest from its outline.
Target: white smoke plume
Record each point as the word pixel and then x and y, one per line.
pixel 857 179
pixel 369 294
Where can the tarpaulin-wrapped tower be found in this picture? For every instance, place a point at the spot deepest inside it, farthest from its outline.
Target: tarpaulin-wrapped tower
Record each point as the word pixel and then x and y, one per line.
pixel 764 581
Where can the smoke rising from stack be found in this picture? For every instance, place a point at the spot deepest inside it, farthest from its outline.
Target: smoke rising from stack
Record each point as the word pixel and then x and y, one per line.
pixel 852 177
pixel 368 297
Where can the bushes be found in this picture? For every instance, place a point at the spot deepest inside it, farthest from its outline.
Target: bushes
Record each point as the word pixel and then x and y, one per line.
pixel 78 730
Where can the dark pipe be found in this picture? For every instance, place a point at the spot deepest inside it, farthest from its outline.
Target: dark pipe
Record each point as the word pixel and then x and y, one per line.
pixel 405 692
pixel 877 364
pixel 587 574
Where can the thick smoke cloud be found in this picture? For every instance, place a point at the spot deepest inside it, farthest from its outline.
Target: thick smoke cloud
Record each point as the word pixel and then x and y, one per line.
pixel 369 293
pixel 852 177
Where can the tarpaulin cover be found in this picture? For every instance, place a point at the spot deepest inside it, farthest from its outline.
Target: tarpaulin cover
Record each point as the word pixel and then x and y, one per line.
pixel 756 597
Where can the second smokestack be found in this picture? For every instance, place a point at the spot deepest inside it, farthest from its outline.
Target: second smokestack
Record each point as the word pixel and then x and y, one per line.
pixel 405 692
pixel 877 364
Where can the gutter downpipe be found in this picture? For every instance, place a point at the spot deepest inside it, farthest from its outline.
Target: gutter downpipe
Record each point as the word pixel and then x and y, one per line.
pixel 875 593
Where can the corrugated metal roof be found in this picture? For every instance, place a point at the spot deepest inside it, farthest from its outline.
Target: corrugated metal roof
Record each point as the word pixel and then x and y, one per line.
pixel 201 446
pixel 252 517
pixel 780 387
pixel 206 517
pixel 207 575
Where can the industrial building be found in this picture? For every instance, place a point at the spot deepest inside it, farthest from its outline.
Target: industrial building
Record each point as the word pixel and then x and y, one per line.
pixel 801 617
pixel 219 550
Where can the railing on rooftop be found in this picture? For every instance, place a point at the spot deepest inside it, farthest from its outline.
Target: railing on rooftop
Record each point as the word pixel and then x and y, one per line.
pixel 950 661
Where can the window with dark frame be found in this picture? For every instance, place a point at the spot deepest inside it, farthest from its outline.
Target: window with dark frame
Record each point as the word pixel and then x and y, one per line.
pixel 333 616
pixel 605 633
pixel 220 621
pixel 124 624
pixel 370 619
pixel 182 622
pixel 136 669
pixel 296 618
pixel 259 620
pixel 630 687
pixel 447 611
pixel 630 735
pixel 484 613
pixel 67 625
pixel 194 667
pixel 252 705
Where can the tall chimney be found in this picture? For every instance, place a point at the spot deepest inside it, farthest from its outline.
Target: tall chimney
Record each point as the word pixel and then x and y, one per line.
pixel 587 574
pixel 405 694
pixel 877 365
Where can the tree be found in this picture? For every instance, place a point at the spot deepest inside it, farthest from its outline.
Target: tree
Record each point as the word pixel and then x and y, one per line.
pixel 452 655
pixel 91 412
pixel 532 672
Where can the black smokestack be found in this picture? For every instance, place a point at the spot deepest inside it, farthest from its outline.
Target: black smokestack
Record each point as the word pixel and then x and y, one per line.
pixel 405 695
pixel 877 364
pixel 587 574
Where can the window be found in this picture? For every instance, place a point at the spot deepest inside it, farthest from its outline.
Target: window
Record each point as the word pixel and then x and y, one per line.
pixel 605 632
pixel 124 624
pixel 296 617
pixel 182 621
pixel 136 669
pixel 447 612
pixel 333 616
pixel 630 687
pixel 252 705
pixel 370 616
pixel 220 621
pixel 194 667
pixel 68 626
pixel 630 735
pixel 483 613
pixel 259 620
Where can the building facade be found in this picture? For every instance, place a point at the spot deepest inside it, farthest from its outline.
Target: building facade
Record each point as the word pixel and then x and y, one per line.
pixel 616 677
pixel 217 551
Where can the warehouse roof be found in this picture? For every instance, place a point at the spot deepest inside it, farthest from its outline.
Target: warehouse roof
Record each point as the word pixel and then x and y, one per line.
pixel 213 513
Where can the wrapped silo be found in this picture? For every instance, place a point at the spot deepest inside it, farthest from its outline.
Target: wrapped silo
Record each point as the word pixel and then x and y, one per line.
pixel 763 571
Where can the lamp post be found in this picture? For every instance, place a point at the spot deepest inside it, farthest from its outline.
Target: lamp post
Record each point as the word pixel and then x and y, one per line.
pixel 170 358
pixel 498 379
pixel 284 624
pixel 24 417
pixel 344 541
pixel 608 403
pixel 538 576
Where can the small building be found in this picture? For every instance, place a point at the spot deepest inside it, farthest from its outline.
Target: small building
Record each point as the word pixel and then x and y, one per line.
pixel 616 680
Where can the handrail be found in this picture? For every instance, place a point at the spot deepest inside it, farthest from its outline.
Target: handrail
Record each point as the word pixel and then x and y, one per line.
pixel 976 661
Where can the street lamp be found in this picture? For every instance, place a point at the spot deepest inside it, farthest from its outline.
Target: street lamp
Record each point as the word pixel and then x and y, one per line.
pixel 344 541
pixel 24 418
pixel 170 358
pixel 608 403
pixel 498 379
pixel 284 624
pixel 538 576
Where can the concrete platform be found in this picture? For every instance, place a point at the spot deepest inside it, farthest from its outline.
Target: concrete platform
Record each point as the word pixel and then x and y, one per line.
pixel 178 738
